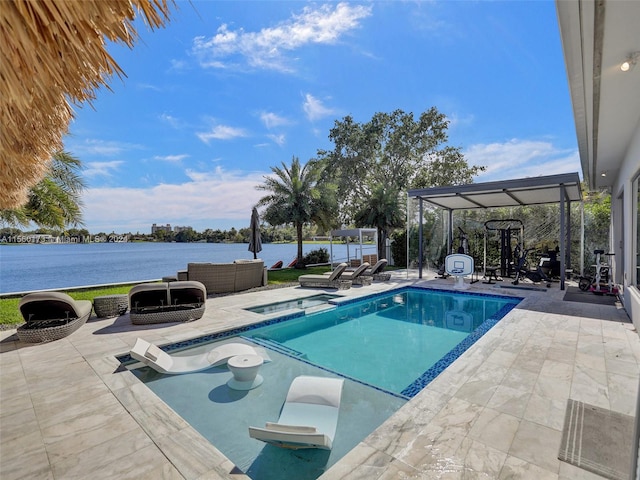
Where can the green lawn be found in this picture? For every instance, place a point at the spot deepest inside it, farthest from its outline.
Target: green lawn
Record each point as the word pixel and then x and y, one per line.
pixel 10 315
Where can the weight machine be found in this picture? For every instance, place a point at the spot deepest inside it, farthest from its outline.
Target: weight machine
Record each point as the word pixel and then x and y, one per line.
pixel 509 231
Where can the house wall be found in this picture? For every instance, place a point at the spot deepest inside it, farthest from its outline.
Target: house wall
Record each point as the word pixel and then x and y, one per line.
pixel 624 218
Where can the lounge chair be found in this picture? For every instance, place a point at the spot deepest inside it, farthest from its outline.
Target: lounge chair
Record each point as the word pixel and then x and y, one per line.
pixel 51 316
pixel 309 417
pixel 376 271
pixel 333 280
pixel 356 276
pixel 156 358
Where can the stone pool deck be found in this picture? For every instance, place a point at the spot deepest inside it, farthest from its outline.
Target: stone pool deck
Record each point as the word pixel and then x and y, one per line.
pixel 67 411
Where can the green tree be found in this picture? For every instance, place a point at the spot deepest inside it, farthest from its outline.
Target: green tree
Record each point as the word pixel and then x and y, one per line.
pixel 384 211
pixel 391 153
pixel 55 201
pixel 297 195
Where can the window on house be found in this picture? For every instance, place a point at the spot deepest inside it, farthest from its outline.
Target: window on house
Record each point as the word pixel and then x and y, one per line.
pixel 636 240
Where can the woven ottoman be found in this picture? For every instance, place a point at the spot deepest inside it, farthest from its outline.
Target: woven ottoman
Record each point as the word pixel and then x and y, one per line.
pixel 110 305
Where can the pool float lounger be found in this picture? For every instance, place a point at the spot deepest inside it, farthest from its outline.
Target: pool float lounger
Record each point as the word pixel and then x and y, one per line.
pixel 156 358
pixel 309 417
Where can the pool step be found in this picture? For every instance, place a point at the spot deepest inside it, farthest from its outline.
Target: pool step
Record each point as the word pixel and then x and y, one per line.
pixel 277 346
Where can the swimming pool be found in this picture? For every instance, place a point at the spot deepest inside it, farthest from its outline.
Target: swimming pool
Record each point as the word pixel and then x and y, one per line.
pixel 397 342
pixel 301 346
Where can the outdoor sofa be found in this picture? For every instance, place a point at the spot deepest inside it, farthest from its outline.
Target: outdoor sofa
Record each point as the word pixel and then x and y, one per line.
pixel 167 302
pixel 226 277
pixel 50 316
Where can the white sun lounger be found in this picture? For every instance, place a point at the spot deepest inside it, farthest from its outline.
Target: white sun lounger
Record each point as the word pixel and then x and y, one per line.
pixel 309 416
pixel 161 361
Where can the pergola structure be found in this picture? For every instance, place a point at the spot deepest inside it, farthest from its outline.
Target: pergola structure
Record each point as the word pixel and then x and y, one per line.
pixel 359 233
pixel 562 189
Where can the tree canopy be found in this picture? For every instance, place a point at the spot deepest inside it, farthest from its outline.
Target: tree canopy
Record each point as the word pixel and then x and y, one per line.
pixel 380 159
pixel 55 201
pixel 297 196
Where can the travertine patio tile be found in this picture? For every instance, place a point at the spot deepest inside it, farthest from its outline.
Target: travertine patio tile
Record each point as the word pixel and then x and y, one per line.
pixel 364 462
pixel 623 390
pixel 495 429
pixel 86 432
pixel 480 388
pixel 546 411
pixel 537 444
pixel 137 464
pixel 192 454
pixel 480 460
pixel 14 404
pixel 15 425
pixel 551 387
pixel 517 469
pixel 436 435
pixel 512 401
pixel 561 353
pixel 590 362
pixel 32 463
pixel 61 412
pixel 519 379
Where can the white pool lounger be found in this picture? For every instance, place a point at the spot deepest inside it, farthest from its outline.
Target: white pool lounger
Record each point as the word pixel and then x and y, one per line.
pixel 161 361
pixel 309 417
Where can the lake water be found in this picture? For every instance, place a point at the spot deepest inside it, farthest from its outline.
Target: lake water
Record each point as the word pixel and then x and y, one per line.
pixel 52 266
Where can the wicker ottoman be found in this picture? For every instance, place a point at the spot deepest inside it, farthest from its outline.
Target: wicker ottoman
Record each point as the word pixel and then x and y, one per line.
pixel 110 305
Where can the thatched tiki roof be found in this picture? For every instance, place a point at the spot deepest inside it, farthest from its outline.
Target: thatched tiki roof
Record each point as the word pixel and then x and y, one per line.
pixel 52 55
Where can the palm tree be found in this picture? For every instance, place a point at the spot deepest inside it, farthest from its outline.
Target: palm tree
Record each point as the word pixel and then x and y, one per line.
pixel 382 210
pixel 298 196
pixel 55 201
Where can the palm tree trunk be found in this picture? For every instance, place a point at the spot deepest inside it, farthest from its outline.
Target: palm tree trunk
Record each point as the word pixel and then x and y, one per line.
pixel 299 235
pixel 382 243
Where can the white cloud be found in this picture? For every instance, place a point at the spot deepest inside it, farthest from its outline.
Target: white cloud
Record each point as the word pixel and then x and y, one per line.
pixel 272 120
pixel 207 197
pixel 101 169
pixel 171 158
pixel 98 147
pixel 171 120
pixel 314 109
pixel 278 139
pixel 266 48
pixel 519 158
pixel 221 132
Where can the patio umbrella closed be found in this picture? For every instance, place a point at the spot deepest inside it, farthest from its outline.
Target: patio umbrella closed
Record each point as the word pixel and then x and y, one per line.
pixel 255 242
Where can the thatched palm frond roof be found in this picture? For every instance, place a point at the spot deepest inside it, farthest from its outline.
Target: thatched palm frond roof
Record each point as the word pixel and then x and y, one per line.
pixel 53 54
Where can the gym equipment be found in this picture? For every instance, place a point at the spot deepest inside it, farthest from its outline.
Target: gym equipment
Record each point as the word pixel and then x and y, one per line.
pixel 602 275
pixel 509 230
pixel 536 275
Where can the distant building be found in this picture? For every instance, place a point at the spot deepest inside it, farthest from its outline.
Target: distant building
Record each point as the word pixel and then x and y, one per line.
pixel 181 229
pixel 160 228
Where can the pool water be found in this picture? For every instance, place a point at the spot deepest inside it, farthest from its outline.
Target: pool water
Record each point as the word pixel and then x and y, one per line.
pixel 388 342
pixel 387 347
pixel 301 303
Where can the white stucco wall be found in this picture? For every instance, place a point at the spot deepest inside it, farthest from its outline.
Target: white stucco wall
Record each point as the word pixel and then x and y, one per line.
pixel 623 232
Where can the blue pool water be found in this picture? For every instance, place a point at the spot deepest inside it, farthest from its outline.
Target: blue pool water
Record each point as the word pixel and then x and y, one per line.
pixel 390 341
pixel 387 347
pixel 301 303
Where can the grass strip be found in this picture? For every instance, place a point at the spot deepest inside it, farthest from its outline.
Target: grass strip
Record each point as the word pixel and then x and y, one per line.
pixel 10 315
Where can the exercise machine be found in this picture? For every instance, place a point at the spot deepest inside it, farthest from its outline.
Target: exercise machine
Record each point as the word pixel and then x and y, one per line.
pixel 536 275
pixel 601 283
pixel 510 233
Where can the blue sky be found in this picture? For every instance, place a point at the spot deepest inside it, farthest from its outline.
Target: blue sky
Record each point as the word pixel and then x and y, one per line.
pixel 228 89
